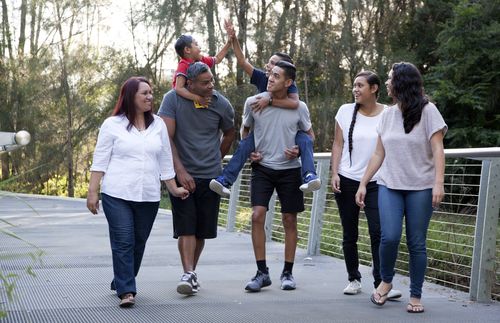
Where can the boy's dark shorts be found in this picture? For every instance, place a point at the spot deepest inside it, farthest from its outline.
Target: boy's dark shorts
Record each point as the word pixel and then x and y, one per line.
pixel 198 214
pixel 285 181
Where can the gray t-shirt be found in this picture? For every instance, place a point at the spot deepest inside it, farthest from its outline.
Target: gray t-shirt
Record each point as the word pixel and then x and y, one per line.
pixel 198 131
pixel 274 130
pixel 408 162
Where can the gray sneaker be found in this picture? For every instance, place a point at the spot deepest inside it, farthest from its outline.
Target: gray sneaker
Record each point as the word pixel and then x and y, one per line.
pixel 287 281
pixel 260 280
pixel 188 284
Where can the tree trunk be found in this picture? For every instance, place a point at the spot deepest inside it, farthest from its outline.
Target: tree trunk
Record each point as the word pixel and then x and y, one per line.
pixel 242 11
pixel 212 44
pixel 69 107
pixel 22 29
pixel 6 29
pixel 294 26
pixel 281 29
pixel 4 43
pixel 260 36
pixel 176 15
pixel 379 37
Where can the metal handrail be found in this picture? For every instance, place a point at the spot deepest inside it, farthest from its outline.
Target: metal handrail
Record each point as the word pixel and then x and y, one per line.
pixel 486 212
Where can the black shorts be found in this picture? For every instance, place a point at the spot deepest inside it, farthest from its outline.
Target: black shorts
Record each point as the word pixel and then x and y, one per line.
pixel 285 181
pixel 198 214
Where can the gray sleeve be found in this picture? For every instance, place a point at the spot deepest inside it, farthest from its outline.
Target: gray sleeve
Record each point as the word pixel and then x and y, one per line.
pixel 305 119
pixel 168 105
pixel 434 121
pixel 227 121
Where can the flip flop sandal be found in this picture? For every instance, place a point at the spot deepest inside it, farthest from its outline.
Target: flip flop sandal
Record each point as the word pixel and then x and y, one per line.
pixel 379 302
pixel 127 300
pixel 414 308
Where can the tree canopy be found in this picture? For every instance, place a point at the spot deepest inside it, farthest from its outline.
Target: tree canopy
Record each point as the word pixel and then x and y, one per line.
pixel 58 83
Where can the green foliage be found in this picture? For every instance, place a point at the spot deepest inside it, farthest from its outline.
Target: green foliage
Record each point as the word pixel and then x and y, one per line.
pixel 455 43
pixel 466 82
pixel 58 186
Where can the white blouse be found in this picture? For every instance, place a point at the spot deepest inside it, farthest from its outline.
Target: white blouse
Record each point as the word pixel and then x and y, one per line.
pixel 133 162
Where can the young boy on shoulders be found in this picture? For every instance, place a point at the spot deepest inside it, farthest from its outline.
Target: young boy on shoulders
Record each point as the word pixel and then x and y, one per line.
pixel 189 52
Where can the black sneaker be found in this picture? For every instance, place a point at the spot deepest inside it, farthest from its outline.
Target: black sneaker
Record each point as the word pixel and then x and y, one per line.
pixel 260 280
pixel 188 284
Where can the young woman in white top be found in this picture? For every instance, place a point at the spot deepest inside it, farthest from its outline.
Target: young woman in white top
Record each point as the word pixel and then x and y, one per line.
pixel 354 143
pixel 131 156
pixel 410 156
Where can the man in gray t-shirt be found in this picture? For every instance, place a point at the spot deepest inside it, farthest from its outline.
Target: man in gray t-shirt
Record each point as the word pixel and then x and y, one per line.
pixel 276 167
pixel 197 149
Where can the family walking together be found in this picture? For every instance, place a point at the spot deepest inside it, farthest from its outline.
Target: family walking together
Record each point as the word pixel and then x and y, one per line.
pixel 386 160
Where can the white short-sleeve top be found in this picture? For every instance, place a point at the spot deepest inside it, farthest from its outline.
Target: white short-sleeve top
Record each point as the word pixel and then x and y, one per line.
pixel 408 162
pixel 364 141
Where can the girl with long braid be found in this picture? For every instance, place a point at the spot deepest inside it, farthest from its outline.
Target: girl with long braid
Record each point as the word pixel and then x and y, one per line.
pixel 354 143
pixel 409 159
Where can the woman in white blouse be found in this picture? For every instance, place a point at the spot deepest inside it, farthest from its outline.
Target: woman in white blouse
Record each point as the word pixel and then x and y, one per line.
pixel 131 156
pixel 410 156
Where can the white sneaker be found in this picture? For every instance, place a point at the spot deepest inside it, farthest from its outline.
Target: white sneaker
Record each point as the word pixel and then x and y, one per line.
pixel 353 288
pixel 218 188
pixel 394 294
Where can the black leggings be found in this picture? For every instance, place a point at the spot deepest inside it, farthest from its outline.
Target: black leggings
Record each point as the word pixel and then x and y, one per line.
pixel 349 216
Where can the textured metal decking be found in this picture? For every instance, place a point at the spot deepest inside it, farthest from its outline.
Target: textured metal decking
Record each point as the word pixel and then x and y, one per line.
pixel 72 281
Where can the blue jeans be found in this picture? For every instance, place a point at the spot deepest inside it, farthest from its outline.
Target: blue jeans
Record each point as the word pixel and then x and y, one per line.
pixel 247 146
pixel 416 207
pixel 130 224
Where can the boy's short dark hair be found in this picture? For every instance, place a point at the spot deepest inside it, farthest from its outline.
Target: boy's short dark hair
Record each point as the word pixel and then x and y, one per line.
pixel 284 57
pixel 181 43
pixel 289 68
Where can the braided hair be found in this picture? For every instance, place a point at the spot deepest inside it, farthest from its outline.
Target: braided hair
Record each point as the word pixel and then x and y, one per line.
pixel 372 79
pixel 407 89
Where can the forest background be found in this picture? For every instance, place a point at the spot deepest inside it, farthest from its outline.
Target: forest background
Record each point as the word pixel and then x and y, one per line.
pixel 59 83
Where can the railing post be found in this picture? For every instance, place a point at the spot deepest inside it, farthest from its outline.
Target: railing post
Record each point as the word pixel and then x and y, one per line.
pixel 270 217
pixel 318 207
pixel 233 204
pixel 483 258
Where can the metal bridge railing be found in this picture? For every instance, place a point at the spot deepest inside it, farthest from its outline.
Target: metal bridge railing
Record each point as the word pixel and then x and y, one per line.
pixel 463 238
